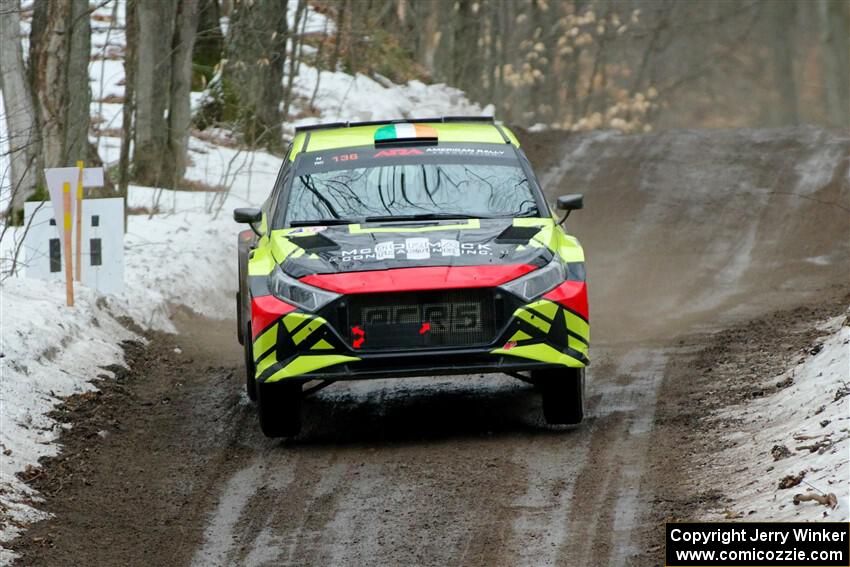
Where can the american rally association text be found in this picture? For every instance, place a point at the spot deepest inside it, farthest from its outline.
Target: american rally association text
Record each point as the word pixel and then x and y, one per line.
pixel 744 533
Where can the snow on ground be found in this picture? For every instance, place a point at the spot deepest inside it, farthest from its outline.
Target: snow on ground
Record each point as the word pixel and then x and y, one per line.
pixel 341 97
pixel 182 255
pixel 813 412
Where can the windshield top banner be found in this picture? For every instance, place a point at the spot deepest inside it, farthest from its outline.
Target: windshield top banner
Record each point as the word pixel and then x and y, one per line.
pixel 368 156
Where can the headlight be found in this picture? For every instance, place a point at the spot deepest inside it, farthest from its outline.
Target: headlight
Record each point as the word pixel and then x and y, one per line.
pixel 536 283
pixel 292 291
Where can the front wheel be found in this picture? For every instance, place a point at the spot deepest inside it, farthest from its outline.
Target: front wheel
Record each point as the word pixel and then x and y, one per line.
pixel 563 395
pixel 279 408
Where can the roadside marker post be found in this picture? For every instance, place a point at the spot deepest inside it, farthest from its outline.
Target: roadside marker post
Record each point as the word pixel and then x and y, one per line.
pixel 79 263
pixel 69 270
pixel 60 180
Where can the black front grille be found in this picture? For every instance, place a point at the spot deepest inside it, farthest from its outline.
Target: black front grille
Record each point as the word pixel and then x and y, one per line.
pixel 423 319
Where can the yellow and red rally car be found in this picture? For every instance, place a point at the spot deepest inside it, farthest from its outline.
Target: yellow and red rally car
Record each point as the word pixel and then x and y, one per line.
pixel 409 248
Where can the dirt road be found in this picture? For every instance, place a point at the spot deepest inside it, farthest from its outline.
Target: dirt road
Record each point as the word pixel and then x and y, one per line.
pixel 687 234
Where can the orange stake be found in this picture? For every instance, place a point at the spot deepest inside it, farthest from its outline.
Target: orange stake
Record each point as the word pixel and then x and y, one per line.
pixel 69 269
pixel 79 264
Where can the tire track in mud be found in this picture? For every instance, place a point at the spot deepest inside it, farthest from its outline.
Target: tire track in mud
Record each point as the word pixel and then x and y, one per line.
pixel 581 502
pixel 413 499
pixel 456 503
pixel 601 522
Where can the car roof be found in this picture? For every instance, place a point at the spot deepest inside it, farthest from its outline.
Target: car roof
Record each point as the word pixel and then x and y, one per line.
pixel 331 137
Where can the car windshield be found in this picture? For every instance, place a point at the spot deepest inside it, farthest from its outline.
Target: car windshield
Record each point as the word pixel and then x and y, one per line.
pixel 436 190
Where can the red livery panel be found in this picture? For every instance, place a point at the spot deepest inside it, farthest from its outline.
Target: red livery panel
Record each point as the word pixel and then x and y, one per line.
pixel 571 294
pixel 265 310
pixel 418 279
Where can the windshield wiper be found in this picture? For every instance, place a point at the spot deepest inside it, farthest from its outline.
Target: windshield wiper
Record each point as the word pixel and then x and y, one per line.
pixel 320 222
pixel 427 216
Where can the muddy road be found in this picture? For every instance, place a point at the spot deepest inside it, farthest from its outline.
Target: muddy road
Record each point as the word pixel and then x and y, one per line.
pixel 686 233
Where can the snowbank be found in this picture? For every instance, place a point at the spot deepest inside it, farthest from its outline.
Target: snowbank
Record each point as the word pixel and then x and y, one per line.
pixel 804 427
pixel 341 97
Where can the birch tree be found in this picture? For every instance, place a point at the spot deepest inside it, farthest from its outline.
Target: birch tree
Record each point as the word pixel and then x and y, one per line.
pixel 19 112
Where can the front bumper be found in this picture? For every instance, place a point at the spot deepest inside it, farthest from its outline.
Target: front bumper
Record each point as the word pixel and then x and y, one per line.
pixel 290 344
pixel 413 364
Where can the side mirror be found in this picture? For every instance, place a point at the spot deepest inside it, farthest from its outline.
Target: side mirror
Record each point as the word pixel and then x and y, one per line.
pixel 248 216
pixel 570 203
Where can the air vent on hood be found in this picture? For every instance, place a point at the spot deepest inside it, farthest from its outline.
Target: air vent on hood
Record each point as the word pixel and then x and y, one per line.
pixel 517 234
pixel 316 243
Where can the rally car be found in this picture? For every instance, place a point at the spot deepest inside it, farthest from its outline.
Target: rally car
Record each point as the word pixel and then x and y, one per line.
pixel 409 248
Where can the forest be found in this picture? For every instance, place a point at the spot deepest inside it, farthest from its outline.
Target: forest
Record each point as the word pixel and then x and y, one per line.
pixel 630 65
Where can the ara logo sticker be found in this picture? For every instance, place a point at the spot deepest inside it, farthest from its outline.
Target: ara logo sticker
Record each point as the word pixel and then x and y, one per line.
pixel 416 249
pixel 399 152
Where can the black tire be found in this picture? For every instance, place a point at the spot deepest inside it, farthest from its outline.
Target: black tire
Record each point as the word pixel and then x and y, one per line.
pixel 563 395
pixel 250 368
pixel 279 409
pixel 240 326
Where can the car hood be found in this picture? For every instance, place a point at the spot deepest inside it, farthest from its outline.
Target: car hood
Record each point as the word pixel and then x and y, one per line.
pixel 356 248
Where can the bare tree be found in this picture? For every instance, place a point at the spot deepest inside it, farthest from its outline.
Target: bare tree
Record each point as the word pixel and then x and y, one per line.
pixel 295 42
pixel 834 16
pixel 209 41
pixel 256 50
pixel 129 108
pixel 164 40
pixel 179 111
pixel 19 112
pixel 782 44
pixel 78 112
pixel 152 79
pixel 60 49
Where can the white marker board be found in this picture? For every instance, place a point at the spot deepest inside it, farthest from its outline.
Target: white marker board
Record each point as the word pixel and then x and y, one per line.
pixel 56 178
pixel 102 238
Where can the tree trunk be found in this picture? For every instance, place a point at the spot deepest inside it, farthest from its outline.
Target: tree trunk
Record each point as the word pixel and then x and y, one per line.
pixel 431 35
pixel 253 74
pixel 834 18
pixel 341 14
pixel 179 108
pixel 19 112
pixel 782 40
pixel 60 41
pixel 49 41
pixel 155 31
pixel 78 113
pixel 209 41
pixel 444 54
pixel 466 52
pixel 128 110
pixel 295 42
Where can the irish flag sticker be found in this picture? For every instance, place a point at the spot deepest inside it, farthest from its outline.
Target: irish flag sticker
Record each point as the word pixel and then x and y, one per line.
pixel 404 131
